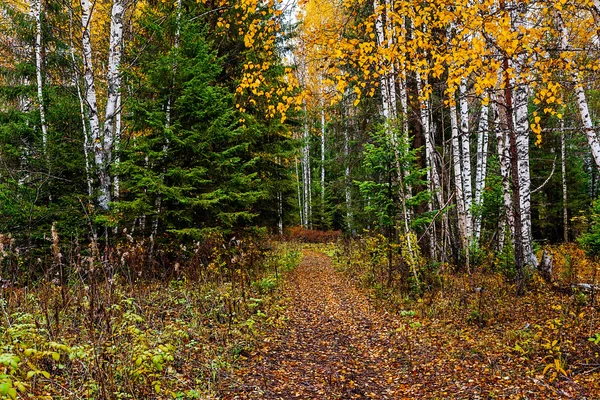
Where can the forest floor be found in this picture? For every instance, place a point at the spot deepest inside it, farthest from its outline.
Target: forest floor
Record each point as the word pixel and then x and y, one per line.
pixel 341 343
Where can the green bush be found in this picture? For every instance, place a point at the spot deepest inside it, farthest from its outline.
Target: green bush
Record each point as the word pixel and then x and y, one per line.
pixel 590 241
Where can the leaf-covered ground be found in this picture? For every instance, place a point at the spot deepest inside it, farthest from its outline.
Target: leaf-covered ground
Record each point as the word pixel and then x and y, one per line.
pixel 338 344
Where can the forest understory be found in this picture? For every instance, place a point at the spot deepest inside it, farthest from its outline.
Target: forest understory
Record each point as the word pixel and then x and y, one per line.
pixel 309 321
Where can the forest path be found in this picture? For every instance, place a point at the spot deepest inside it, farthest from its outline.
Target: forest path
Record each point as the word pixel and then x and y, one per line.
pixel 334 346
pixel 337 345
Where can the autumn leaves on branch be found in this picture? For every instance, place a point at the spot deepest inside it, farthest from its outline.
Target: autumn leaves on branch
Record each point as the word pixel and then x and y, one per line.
pixel 508 64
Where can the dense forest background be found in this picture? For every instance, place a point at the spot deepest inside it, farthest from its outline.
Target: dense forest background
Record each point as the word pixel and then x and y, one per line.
pixel 170 122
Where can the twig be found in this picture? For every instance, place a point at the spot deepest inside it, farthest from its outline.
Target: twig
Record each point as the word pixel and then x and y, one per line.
pixel 549 177
pixel 436 215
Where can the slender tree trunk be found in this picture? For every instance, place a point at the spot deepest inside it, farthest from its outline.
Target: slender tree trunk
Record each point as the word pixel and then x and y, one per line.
pixel 280 212
pixel 306 171
pixel 347 177
pixel 563 163
pixel 432 172
pixel 522 132
pixel 501 126
pixel 481 167
pixel 458 177
pixel 514 166
pixel 86 138
pixel 300 197
pixel 522 143
pixel 466 158
pixel 116 180
pixel 114 86
pixel 580 96
pixel 92 104
pixel 323 155
pixel 36 6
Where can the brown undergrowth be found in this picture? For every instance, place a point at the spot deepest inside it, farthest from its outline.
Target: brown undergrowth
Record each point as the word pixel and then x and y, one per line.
pixel 469 337
pixel 120 338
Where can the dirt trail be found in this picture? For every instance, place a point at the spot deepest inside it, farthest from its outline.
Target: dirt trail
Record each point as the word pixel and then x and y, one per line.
pixel 335 346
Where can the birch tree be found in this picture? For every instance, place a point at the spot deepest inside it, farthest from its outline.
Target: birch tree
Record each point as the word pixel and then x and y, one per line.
pixel 103 139
pixel 36 10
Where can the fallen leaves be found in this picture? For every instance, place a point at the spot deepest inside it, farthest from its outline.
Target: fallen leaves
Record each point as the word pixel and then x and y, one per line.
pixel 338 344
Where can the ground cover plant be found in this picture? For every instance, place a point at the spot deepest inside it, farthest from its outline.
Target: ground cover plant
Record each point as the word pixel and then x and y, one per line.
pixel 471 328
pixel 110 337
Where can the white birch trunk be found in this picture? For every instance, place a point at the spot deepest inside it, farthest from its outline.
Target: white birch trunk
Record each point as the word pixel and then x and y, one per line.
pixel 347 180
pixel 501 124
pixel 300 202
pixel 563 163
pixel 280 213
pixel 580 96
pixel 86 138
pixel 114 86
pixel 430 155
pixel 466 157
pixel 36 7
pixel 116 179
pixel 92 103
pixel 306 172
pixel 522 135
pixel 481 166
pixel 522 132
pixel 458 176
pixel 323 155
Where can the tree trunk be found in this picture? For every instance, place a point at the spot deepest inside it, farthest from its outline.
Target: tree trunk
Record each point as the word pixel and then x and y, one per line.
pixel 306 172
pixel 347 178
pixel 113 80
pixel 458 177
pixel 300 199
pixel 36 7
pixel 581 99
pixel 501 126
pixel 522 143
pixel 515 184
pixel 86 139
pixel 481 167
pixel 323 156
pixel 92 104
pixel 466 158
pixel 563 163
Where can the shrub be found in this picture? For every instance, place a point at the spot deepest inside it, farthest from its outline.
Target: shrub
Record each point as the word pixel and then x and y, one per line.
pixel 301 234
pixel 590 241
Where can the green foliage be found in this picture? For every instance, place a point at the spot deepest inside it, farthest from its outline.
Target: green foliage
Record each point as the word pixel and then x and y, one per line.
pixel 590 240
pixel 505 261
pixel 383 190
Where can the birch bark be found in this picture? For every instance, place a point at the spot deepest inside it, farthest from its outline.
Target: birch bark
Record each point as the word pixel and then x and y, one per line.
pixel 92 103
pixel 521 129
pixel 114 85
pixel 481 166
pixel 306 171
pixel 563 164
pixel 36 7
pixel 501 126
pixel 458 175
pixel 86 137
pixel 466 158
pixel 522 143
pixel 323 155
pixel 581 99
